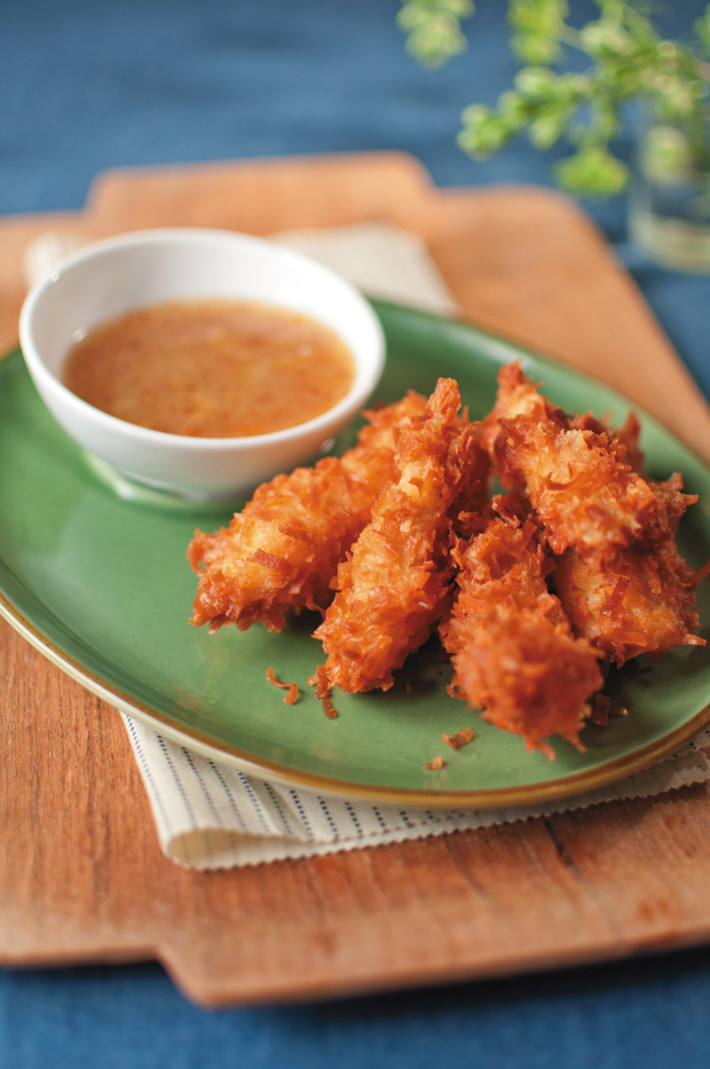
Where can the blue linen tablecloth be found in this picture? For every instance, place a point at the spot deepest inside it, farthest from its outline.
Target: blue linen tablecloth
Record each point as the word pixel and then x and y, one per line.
pixel 90 85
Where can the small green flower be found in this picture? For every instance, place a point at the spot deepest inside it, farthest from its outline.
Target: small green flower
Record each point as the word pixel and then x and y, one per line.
pixel 536 82
pixel 483 132
pixel 666 155
pixel 536 29
pixel 606 41
pixel 433 28
pixel 548 128
pixel 593 172
pixel 513 110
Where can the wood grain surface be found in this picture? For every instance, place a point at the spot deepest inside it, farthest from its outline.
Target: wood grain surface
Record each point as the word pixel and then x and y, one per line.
pixel 83 877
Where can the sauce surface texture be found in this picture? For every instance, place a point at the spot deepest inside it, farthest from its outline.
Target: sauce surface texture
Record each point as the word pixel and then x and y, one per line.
pixel 211 368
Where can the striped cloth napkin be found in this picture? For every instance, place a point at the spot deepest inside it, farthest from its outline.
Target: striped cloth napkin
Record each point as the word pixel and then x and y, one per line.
pixel 209 815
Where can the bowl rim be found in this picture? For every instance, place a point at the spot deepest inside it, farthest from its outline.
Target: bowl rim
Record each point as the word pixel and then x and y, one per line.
pixel 341 411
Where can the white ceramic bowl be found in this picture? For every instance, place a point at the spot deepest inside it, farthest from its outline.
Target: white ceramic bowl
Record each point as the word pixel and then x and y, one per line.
pixel 111 277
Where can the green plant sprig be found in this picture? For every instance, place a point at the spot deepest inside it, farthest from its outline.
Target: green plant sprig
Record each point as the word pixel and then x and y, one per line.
pixel 627 60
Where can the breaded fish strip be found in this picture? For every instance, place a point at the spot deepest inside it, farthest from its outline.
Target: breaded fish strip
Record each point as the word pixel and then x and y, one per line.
pixel 510 642
pixel 643 601
pixel 394 586
pixel 281 552
pixel 578 477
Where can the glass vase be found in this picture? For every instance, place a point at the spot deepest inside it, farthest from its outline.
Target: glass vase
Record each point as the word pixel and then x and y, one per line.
pixel 669 203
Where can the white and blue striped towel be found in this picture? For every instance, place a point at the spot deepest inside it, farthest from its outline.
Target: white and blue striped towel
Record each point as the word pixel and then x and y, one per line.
pixel 209 815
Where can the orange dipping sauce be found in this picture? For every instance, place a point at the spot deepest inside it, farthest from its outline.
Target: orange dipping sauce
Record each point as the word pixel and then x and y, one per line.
pixel 211 368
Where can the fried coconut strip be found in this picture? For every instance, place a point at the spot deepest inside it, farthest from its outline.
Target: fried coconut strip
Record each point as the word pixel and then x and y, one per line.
pixel 578 477
pixel 394 586
pixel 511 645
pixel 644 601
pixel 282 550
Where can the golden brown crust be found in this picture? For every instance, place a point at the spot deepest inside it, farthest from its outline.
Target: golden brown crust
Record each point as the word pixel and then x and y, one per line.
pixel 510 642
pixel 576 476
pixel 394 585
pixel 642 603
pixel 281 552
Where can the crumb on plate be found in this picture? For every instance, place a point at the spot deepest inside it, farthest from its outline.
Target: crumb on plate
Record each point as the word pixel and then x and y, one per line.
pixel 435 764
pixel 292 696
pixel 459 739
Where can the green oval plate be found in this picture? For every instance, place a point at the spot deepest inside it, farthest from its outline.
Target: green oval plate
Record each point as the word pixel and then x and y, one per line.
pixel 93 573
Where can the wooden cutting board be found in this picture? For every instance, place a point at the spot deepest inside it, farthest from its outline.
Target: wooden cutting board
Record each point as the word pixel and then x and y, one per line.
pixel 83 876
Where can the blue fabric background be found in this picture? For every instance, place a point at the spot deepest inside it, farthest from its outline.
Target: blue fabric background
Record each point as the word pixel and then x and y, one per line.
pixel 91 84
